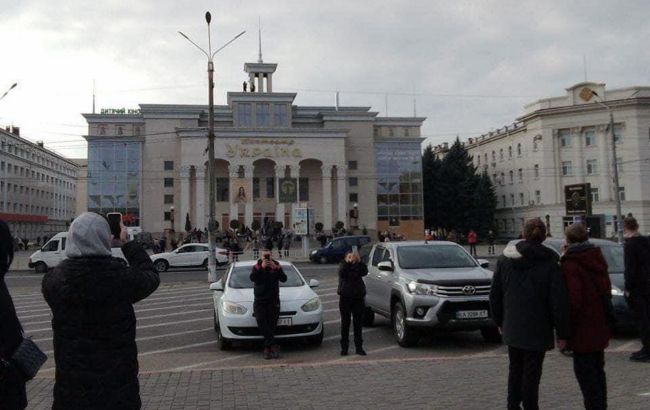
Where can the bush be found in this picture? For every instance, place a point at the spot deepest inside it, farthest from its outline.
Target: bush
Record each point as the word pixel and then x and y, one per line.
pixel 256 225
pixel 234 224
pixel 339 225
pixel 319 227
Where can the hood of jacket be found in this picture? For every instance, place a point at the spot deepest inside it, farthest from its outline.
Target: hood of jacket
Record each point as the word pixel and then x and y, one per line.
pixel 89 235
pixel 527 253
pixel 587 256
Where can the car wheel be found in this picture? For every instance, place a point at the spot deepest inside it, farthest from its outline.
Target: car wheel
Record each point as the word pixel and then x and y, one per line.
pixel 161 265
pixel 322 260
pixel 317 340
pixel 491 335
pixel 368 317
pixel 40 267
pixel 222 342
pixel 406 336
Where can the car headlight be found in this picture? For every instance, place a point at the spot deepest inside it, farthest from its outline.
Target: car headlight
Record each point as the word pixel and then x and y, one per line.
pixel 311 305
pixel 616 291
pixel 314 252
pixel 233 308
pixel 422 289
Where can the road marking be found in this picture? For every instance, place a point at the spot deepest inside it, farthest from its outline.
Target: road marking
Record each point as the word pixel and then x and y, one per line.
pixel 624 347
pixel 193 366
pixel 644 394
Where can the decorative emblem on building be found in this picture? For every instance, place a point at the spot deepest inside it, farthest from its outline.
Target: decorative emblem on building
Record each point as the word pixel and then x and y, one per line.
pixel 586 94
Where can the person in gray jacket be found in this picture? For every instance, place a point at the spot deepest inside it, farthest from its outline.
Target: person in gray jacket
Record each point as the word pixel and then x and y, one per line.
pixel 529 300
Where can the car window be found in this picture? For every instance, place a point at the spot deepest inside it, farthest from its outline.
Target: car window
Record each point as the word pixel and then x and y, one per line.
pixel 386 256
pixel 434 256
pixel 51 246
pixel 614 256
pixel 364 240
pixel 240 277
pixel 338 245
pixel 377 256
pixel 364 253
pixel 63 240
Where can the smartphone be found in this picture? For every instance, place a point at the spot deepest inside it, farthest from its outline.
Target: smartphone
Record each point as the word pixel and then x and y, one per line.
pixel 115 222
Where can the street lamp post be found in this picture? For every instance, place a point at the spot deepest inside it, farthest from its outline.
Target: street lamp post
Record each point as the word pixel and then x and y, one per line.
pixel 212 261
pixel 7 92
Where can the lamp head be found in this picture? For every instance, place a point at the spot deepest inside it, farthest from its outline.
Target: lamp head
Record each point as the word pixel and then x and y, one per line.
pixel 208 17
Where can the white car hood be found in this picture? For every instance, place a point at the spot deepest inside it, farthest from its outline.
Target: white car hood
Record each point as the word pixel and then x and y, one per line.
pixel 286 294
pixel 161 255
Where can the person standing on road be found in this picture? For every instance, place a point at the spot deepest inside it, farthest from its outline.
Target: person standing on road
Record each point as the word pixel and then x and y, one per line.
pixel 267 275
pixel 585 272
pixel 637 283
pixel 352 292
pixel 286 243
pixel 13 395
pixel 91 295
pixel 528 300
pixel 472 239
pixel 490 240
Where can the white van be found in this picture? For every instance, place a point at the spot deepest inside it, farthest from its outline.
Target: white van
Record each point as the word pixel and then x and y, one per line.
pixel 53 252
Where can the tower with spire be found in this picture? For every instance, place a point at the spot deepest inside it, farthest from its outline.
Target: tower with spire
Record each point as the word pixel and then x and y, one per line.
pixel 260 74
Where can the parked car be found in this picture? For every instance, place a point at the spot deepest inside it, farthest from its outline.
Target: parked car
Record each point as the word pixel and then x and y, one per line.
pixel 420 285
pixel 188 255
pixel 53 252
pixel 335 250
pixel 301 311
pixel 614 255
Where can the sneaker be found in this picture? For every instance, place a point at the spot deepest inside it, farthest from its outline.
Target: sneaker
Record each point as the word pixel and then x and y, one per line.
pixel 267 353
pixel 361 352
pixel 275 352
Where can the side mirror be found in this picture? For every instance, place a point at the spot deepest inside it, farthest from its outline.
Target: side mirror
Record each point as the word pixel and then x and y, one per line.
pixel 314 283
pixel 386 266
pixel 484 263
pixel 217 286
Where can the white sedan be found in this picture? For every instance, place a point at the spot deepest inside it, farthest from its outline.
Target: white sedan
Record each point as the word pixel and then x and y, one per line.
pixel 301 311
pixel 188 255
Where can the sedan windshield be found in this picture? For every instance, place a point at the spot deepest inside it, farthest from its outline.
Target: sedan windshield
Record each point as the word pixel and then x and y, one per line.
pixel 240 278
pixel 434 256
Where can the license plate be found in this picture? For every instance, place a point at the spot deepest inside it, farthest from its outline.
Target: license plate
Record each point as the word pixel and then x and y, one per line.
pixel 284 321
pixel 472 314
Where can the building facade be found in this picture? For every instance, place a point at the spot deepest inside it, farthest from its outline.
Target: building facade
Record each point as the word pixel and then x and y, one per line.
pixel 38 189
pixel 566 140
pixel 272 157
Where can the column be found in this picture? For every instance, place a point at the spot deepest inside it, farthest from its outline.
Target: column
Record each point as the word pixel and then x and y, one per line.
pixel 279 207
pixel 326 169
pixel 179 217
pixel 260 82
pixel 199 201
pixel 341 188
pixel 269 83
pixel 233 172
pixel 605 192
pixel 251 80
pixel 578 157
pixel 248 207
pixel 294 172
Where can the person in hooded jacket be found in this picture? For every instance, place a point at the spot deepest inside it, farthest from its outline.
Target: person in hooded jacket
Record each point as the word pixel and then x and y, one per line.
pixel 91 295
pixel 528 301
pixel 585 272
pixel 13 395
pixel 352 292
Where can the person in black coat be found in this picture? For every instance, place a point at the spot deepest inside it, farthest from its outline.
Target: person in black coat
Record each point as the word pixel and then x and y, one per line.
pixel 267 275
pixel 637 283
pixel 352 292
pixel 91 295
pixel 13 395
pixel 528 300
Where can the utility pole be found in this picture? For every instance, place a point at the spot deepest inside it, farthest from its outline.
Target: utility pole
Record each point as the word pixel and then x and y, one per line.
pixel 212 194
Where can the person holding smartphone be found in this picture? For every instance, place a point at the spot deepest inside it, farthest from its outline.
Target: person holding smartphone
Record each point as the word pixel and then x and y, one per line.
pixel 352 292
pixel 267 275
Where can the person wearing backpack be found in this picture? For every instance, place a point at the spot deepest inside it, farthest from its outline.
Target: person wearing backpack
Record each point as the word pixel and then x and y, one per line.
pixel 585 272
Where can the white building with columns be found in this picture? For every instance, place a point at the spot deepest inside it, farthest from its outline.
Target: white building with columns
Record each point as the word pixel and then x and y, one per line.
pixel 272 157
pixel 566 140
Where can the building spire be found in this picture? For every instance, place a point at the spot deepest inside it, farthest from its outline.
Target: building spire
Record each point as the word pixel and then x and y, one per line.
pixel 259 38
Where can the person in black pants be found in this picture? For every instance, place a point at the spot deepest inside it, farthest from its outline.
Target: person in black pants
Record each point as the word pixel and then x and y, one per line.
pixel 352 291
pixel 529 300
pixel 267 275
pixel 637 283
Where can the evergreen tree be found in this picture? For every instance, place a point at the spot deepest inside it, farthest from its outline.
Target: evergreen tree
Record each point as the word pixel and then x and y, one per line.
pixel 188 224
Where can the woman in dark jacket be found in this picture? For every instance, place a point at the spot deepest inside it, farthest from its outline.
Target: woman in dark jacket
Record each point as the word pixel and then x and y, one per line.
pixel 585 272
pixel 91 295
pixel 12 381
pixel 352 292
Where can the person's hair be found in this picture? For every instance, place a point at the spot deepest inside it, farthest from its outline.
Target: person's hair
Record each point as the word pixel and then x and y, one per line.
pixel 6 247
pixel 534 230
pixel 576 233
pixel 630 223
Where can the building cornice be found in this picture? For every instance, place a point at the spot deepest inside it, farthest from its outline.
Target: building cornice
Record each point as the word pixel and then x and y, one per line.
pixel 262 133
pixel 35 146
pixel 399 121
pixel 582 108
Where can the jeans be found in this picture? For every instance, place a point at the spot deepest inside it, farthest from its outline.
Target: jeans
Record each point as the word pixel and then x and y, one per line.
pixel 523 379
pixel 351 307
pixel 590 372
pixel 266 315
pixel 472 249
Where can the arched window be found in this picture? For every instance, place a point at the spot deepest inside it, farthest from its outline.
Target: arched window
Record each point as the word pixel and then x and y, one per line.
pixel 501 154
pixel 518 150
pixel 509 152
pixel 494 156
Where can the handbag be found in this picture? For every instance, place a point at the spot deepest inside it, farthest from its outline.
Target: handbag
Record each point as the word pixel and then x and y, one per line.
pixel 28 358
pixel 606 301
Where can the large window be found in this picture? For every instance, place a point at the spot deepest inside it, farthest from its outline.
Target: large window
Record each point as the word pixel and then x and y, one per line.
pixel 280 117
pixel 223 189
pixel 263 115
pixel 590 138
pixel 168 165
pixel 399 181
pixel 303 188
pixel 270 187
pixel 256 188
pixel 592 167
pixel 244 111
pixel 594 194
pixel 565 138
pixel 566 168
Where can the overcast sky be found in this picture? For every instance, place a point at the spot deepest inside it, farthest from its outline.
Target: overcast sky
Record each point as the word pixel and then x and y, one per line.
pixel 472 64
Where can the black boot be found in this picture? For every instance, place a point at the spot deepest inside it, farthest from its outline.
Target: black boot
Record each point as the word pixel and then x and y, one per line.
pixel 360 351
pixel 344 348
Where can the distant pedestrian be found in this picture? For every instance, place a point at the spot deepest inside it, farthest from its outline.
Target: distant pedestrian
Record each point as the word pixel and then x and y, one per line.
pixel 352 292
pixel 279 240
pixel 268 243
pixel 235 250
pixel 451 237
pixel 286 244
pixel 472 239
pixel 490 240
pixel 585 273
pixel 256 248
pixel 13 395
pixel 637 283
pixel 528 300
pixel 91 295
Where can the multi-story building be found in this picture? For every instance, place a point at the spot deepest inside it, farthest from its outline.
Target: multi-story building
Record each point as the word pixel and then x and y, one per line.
pixel 272 157
pixel 38 188
pixel 563 141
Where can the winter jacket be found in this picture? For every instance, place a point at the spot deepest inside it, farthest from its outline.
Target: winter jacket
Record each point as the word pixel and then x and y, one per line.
pixel 94 326
pixel 472 238
pixel 585 273
pixel 529 297
pixel 637 265
pixel 351 284
pixel 267 282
